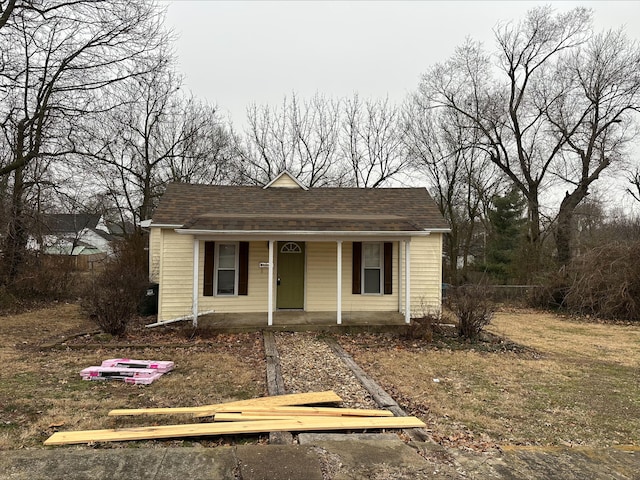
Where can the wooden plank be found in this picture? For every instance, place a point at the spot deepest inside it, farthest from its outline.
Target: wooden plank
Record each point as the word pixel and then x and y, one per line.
pixel 230 428
pixel 275 380
pixel 240 417
pixel 275 383
pixel 305 411
pixel 292 399
pixel 278 413
pixel 381 397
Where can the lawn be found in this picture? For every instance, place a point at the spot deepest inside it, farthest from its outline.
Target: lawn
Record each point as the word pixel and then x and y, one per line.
pixel 538 379
pixel 41 390
pixel 564 382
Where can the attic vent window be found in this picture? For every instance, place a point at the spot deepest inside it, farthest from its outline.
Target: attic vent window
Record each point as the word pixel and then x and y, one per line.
pixel 290 247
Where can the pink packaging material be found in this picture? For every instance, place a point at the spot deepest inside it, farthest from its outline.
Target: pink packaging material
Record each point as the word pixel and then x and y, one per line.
pixel 163 366
pixel 143 380
pixel 136 376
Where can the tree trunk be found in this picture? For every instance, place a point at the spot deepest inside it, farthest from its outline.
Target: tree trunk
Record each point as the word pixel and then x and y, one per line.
pixel 564 229
pixel 16 241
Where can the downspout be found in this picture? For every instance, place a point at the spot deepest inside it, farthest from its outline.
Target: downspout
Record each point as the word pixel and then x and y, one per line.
pixel 407 281
pixel 339 282
pixel 196 258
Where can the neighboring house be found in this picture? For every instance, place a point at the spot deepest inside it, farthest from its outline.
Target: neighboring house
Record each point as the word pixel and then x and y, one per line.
pixel 246 249
pixel 84 236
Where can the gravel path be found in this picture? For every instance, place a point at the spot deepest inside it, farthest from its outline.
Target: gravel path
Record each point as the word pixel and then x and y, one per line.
pixel 309 365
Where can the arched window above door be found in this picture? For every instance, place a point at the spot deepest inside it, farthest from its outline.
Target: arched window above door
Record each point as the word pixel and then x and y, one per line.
pixel 290 247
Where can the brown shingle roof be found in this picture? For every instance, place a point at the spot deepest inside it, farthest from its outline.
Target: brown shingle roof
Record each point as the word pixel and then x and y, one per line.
pixel 220 208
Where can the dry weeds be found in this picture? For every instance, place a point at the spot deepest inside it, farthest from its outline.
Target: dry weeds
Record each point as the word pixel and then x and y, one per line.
pixel 571 383
pixel 41 390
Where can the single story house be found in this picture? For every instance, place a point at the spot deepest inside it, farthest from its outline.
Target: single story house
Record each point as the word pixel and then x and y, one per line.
pixel 250 249
pixel 86 238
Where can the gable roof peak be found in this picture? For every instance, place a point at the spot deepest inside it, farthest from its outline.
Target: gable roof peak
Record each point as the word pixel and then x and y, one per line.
pixel 285 180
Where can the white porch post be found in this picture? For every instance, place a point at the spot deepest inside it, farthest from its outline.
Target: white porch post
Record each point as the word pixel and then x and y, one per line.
pixel 196 261
pixel 407 281
pixel 339 282
pixel 270 285
pixel 400 244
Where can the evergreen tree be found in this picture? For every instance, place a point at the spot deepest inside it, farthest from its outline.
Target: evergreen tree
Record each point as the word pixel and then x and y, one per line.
pixel 508 224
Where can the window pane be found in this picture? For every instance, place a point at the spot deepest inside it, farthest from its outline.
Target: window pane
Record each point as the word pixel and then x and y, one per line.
pixel 372 280
pixel 227 256
pixel 371 254
pixel 226 282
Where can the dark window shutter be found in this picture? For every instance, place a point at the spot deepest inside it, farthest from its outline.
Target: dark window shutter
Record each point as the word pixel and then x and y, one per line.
pixel 209 252
pixel 243 266
pixel 388 268
pixel 357 268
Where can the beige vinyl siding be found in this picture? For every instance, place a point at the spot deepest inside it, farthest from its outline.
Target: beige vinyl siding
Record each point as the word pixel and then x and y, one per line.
pixel 256 299
pixel 322 270
pixel 426 274
pixel 176 271
pixel 285 181
pixel 154 254
pixel 364 302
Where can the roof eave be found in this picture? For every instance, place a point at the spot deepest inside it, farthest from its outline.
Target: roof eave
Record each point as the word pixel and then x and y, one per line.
pixel 164 225
pixel 308 233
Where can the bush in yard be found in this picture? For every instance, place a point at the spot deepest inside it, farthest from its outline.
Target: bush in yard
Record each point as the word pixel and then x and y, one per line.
pixel 420 328
pixel 46 277
pixel 552 292
pixel 113 295
pixel 605 282
pixel 472 307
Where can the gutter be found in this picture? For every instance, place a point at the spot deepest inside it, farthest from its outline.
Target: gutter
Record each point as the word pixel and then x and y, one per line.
pixel 309 233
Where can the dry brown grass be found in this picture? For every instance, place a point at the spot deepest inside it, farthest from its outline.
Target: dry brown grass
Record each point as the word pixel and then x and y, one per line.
pixel 41 390
pixel 569 383
pixel 581 387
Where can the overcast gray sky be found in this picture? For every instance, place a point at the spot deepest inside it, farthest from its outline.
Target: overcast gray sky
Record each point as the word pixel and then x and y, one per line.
pixel 236 53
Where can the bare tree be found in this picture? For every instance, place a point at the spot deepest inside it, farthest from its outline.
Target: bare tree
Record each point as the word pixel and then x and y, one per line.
pixel 60 66
pixel 442 145
pixel 372 141
pixel 323 142
pixel 156 135
pixel 301 137
pixel 633 186
pixel 551 110
pixel 9 8
pixel 593 119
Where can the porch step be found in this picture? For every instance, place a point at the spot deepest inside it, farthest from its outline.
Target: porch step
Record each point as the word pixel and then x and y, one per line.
pixel 348 329
pixel 300 321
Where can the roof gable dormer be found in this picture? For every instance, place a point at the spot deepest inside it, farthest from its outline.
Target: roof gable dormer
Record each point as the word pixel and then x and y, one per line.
pixel 285 180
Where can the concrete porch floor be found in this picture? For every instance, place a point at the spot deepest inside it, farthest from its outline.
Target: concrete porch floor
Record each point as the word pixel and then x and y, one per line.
pixel 297 320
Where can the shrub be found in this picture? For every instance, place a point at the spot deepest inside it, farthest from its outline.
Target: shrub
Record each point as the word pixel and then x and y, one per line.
pixel 605 282
pixel 113 295
pixel 8 301
pixel 472 307
pixel 44 277
pixel 552 292
pixel 420 328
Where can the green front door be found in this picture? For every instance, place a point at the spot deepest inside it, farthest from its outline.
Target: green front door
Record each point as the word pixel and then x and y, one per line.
pixel 290 275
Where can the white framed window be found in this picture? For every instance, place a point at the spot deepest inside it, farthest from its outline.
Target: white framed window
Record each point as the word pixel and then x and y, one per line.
pixel 226 264
pixel 372 274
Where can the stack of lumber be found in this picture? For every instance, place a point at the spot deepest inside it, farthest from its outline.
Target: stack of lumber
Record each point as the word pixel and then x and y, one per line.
pixel 267 414
pixel 137 372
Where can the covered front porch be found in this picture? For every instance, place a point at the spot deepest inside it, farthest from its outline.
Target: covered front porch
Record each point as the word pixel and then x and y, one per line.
pixel 323 277
pixel 296 321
